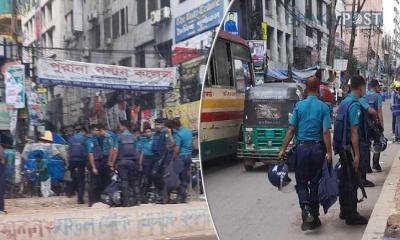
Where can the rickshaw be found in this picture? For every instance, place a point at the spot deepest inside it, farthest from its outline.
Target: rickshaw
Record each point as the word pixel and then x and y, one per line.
pixel 267 110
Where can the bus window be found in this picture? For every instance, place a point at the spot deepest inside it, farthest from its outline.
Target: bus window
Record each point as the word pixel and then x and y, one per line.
pixel 210 76
pixel 240 51
pixel 223 64
pixel 242 76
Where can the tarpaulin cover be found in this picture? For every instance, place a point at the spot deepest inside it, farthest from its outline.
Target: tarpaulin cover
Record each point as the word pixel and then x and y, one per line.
pixel 297 75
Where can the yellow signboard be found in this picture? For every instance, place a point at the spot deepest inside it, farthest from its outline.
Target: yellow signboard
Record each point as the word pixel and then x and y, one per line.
pixel 188 114
pixel 264 30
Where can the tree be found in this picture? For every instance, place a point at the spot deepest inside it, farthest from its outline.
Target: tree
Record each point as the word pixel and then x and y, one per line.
pixel 330 56
pixel 354 13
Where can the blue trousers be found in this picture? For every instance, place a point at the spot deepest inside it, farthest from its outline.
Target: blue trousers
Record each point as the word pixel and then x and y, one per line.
pixel 97 183
pixel 308 170
pixel 183 167
pixel 77 169
pixel 129 174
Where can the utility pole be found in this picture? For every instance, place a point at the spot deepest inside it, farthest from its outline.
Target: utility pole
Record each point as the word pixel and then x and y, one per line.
pixel 14 24
pixel 369 44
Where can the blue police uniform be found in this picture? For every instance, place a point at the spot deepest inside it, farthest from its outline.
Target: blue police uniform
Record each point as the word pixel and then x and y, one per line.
pixel 374 100
pixel 96 182
pixel 128 169
pixel 184 140
pixel 309 117
pixel 351 112
pixel 148 163
pixel 107 146
pixel 159 150
pixel 77 163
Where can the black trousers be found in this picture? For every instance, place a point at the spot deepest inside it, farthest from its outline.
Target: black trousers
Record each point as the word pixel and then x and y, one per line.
pixel 347 185
pixel 77 169
pixel 97 183
pixel 365 160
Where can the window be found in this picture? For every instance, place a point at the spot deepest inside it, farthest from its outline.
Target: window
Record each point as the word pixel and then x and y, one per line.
pixel 210 76
pixel 115 25
pixel 165 3
pixel 127 62
pixel 319 11
pixel 319 39
pixel 181 1
pixel 328 15
pixel 242 76
pixel 308 9
pixel 49 11
pixel 123 25
pixel 151 6
pixel 95 36
pixel 224 71
pixel 107 28
pixel 267 5
pixel 70 23
pixel 309 32
pixel 141 10
pixel 240 51
pixel 50 38
pixel 140 60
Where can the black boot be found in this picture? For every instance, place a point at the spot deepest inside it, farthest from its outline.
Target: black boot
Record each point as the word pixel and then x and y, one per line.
pixel 356 219
pixel 316 223
pixel 377 167
pixel 366 183
pixel 307 218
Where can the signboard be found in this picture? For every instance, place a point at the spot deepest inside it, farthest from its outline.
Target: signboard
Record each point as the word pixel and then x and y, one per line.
pixel 37 107
pixel 365 18
pixel 81 74
pixel 258 50
pixel 264 30
pixel 340 64
pixel 15 86
pixel 198 20
pixel 192 48
pixel 232 24
pixel 4 117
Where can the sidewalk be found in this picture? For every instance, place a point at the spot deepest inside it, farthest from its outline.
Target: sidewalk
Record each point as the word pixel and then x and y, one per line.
pixel 387 205
pixel 53 220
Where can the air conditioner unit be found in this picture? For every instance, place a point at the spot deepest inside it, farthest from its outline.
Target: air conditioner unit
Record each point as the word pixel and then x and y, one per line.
pixel 310 42
pixel 155 17
pixel 93 16
pixel 108 41
pixel 165 13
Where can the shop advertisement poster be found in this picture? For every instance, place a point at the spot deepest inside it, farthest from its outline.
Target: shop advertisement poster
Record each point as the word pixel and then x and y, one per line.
pixel 37 102
pixel 15 86
pixel 4 117
pixel 148 115
pixel 82 74
pixel 188 114
pixel 258 49
pixel 231 23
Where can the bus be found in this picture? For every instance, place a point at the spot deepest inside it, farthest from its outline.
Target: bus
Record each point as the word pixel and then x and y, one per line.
pixel 229 73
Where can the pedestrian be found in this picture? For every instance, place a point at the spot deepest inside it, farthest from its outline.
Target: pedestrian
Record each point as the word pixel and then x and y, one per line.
pixel 77 161
pixel 127 164
pixel 374 99
pixel 310 123
pixel 349 132
pixel 95 165
pixel 183 154
pixel 108 153
pixel 3 166
pixel 147 162
pixel 159 149
pixel 396 119
pixel 44 177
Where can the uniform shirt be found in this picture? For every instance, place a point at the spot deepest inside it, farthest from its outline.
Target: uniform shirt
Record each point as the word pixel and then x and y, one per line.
pixel 42 165
pixel 108 143
pixel 146 146
pixel 354 117
pixel 118 140
pixel 363 102
pixel 184 139
pixel 371 92
pixel 90 143
pixel 79 135
pixel 309 117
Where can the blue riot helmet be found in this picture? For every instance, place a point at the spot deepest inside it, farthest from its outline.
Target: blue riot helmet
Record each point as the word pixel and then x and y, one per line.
pixel 379 146
pixel 278 175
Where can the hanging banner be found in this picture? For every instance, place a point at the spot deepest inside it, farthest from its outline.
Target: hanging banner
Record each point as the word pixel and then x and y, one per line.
pixel 231 23
pixel 81 74
pixel 4 117
pixel 37 107
pixel 258 49
pixel 15 86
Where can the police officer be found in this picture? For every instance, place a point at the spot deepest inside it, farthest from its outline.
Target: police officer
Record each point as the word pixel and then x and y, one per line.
pixel 95 166
pixel 350 129
pixel 159 148
pixel 127 164
pixel 147 161
pixel 310 122
pixel 108 153
pixel 3 166
pixel 77 161
pixel 183 154
pixel 374 99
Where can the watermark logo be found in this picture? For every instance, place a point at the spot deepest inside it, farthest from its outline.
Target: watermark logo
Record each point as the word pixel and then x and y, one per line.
pixel 367 18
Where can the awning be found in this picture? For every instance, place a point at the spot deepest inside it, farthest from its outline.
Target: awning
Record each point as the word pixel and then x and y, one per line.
pixel 297 75
pixel 277 74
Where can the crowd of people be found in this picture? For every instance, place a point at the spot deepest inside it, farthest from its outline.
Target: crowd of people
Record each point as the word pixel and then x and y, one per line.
pixel 143 163
pixel 358 130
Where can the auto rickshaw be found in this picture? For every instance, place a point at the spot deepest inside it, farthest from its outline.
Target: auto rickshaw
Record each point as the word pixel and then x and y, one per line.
pixel 267 110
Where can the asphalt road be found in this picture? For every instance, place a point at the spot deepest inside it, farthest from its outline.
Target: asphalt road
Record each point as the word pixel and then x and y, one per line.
pixel 244 205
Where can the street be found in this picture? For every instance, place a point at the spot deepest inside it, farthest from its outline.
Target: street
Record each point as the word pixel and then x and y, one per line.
pixel 244 205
